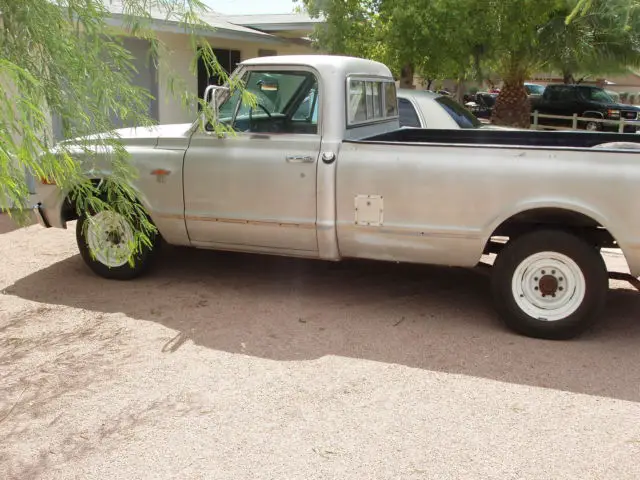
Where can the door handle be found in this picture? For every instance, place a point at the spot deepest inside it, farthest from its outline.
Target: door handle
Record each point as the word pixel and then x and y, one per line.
pixel 299 159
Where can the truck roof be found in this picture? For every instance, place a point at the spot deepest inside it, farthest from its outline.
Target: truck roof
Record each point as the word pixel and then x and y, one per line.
pixel 327 64
pixel 573 85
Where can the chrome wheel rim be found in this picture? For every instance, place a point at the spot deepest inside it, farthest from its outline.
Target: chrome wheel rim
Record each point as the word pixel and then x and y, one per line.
pixel 548 286
pixel 110 238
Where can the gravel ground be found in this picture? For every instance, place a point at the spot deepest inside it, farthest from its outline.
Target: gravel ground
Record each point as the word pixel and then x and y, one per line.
pixel 226 366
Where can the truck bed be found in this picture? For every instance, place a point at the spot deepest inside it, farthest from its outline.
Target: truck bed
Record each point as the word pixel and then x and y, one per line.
pixel 504 138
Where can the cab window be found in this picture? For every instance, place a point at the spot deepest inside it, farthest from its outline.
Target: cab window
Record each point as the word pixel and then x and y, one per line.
pixel 370 101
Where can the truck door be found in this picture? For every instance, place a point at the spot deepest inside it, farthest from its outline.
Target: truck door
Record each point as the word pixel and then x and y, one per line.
pixel 256 189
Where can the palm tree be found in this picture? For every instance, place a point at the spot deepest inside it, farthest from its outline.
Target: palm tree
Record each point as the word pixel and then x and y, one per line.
pixel 602 37
pixel 602 40
pixel 517 53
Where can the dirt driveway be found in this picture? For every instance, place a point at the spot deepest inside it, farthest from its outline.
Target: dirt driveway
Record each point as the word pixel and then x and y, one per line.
pixel 225 366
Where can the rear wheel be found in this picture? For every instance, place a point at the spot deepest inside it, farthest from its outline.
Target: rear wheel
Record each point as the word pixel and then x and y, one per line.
pixel 549 284
pixel 105 241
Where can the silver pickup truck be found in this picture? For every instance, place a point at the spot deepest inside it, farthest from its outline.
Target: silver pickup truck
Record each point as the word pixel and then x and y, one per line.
pixel 319 168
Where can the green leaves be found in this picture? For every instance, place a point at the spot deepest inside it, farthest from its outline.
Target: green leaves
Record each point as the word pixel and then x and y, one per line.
pixel 352 28
pixel 462 39
pixel 603 37
pixel 66 58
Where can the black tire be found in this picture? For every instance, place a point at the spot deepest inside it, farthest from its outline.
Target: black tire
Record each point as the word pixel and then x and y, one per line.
pixel 141 262
pixel 593 126
pixel 588 260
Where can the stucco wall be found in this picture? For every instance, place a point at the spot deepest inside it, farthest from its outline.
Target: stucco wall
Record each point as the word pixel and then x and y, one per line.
pixel 177 62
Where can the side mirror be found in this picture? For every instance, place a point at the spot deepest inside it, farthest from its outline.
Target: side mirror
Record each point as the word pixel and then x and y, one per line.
pixel 211 97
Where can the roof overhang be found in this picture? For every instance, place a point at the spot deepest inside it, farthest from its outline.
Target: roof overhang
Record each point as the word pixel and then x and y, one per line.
pixel 169 26
pixel 278 23
pixel 281 27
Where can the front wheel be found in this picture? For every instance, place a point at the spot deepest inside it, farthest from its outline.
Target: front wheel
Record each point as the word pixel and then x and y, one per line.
pixel 593 126
pixel 549 284
pixel 105 241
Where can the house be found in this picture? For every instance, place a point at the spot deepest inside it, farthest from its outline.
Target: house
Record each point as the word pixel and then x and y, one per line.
pixel 234 39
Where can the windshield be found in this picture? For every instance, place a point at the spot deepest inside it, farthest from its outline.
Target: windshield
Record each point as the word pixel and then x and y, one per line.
pixel 533 89
pixel 595 95
pixel 463 117
pixel 487 99
pixel 273 92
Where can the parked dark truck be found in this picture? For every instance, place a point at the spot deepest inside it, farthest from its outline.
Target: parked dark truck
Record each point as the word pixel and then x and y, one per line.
pixel 587 102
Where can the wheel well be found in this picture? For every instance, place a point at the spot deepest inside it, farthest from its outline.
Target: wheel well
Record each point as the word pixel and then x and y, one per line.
pixel 551 218
pixel 69 211
pixel 592 114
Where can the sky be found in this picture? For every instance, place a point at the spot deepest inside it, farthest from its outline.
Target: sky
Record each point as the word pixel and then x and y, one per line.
pixel 249 7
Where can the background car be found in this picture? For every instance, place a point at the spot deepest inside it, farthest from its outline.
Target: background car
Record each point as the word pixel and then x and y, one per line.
pixel 425 109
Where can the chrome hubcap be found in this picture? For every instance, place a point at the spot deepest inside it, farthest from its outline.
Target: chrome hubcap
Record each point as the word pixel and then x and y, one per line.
pixel 110 238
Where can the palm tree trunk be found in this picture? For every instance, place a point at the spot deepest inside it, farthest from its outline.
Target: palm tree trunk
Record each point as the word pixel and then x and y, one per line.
pixel 513 107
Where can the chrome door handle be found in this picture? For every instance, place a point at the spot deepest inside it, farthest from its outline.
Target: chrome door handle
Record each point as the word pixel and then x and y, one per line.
pixel 299 159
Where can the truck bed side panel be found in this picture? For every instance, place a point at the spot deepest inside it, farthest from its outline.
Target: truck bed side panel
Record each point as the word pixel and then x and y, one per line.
pixel 440 204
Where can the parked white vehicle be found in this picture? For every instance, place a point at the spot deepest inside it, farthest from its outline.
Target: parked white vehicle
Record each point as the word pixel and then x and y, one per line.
pixel 427 109
pixel 321 169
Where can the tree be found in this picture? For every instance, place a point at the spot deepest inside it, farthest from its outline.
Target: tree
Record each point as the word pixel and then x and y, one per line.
pixel 410 36
pixel 512 39
pixel 351 27
pixel 426 33
pixel 518 51
pixel 569 37
pixel 63 58
pixel 604 36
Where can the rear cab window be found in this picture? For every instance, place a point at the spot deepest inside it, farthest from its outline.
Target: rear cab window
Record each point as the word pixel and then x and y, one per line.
pixel 370 100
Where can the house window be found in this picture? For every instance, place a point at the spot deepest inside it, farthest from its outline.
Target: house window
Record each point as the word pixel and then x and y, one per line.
pixel 228 59
pixel 267 53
